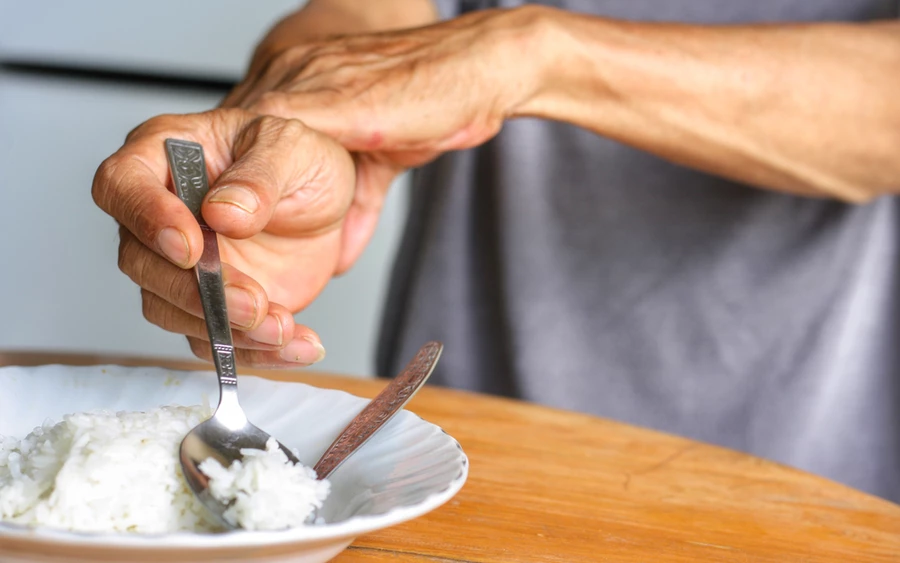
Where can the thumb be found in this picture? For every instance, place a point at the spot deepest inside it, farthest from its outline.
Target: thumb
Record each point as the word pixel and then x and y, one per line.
pixel 285 178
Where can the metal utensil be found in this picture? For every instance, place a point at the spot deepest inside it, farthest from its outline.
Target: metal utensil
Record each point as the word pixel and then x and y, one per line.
pixel 228 431
pixel 391 399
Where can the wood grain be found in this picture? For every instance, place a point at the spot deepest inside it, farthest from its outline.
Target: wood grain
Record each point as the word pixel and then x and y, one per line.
pixel 553 486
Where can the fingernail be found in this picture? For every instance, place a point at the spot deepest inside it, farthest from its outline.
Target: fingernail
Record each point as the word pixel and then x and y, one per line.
pixel 305 350
pixel 270 331
pixel 242 198
pixel 174 245
pixel 241 305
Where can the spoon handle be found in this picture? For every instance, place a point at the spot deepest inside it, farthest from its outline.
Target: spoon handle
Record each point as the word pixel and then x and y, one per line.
pixel 188 169
pixel 391 399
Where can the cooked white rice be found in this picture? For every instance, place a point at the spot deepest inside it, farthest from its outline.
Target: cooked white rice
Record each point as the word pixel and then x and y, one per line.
pixel 265 490
pixel 119 472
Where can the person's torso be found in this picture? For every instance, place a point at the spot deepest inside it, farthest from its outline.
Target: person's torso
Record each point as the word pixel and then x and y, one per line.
pixel 568 269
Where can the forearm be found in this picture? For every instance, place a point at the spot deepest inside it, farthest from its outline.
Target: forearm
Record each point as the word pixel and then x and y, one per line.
pixel 811 109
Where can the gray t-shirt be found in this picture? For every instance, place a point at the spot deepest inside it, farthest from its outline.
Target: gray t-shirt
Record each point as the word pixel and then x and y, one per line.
pixel 564 268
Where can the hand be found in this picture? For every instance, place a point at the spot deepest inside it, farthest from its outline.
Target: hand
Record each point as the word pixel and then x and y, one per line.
pixel 400 98
pixel 279 198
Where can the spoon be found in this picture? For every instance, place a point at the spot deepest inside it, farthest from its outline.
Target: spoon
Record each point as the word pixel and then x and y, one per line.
pixel 228 431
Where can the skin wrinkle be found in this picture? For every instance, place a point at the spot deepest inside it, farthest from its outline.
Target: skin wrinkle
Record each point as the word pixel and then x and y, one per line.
pixel 138 266
pixel 125 259
pixel 141 270
pixel 146 306
pixel 182 292
pixel 103 191
pixel 222 132
pixel 169 313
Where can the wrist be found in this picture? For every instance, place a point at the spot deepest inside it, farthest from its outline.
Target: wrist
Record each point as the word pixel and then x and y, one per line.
pixel 525 37
pixel 567 77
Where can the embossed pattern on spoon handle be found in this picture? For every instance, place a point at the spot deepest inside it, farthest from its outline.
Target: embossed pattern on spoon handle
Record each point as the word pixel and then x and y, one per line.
pixel 391 399
pixel 188 168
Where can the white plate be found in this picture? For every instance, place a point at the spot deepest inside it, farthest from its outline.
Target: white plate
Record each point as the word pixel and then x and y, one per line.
pixel 406 470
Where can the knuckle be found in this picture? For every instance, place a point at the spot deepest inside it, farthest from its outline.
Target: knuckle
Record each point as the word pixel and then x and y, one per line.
pixel 132 211
pixel 292 129
pixel 327 57
pixel 179 292
pixel 139 208
pixel 148 306
pixel 168 316
pixel 152 126
pixel 345 76
pixel 111 193
pixel 133 258
pixel 290 59
pixel 137 267
pixel 198 348
pixel 276 129
pixel 103 178
pixel 267 124
pixel 125 252
pixel 280 63
pixel 139 130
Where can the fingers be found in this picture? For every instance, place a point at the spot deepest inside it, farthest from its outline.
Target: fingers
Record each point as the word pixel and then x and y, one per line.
pixel 246 299
pixel 303 348
pixel 170 301
pixel 269 335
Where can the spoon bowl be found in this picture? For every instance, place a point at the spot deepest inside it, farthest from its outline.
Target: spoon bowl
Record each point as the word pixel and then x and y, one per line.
pixel 213 439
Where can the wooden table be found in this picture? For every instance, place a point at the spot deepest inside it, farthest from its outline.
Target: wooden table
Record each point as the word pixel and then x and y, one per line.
pixel 548 485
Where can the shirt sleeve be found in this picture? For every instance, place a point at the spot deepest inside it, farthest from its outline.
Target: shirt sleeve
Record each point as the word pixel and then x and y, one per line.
pixel 447 9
